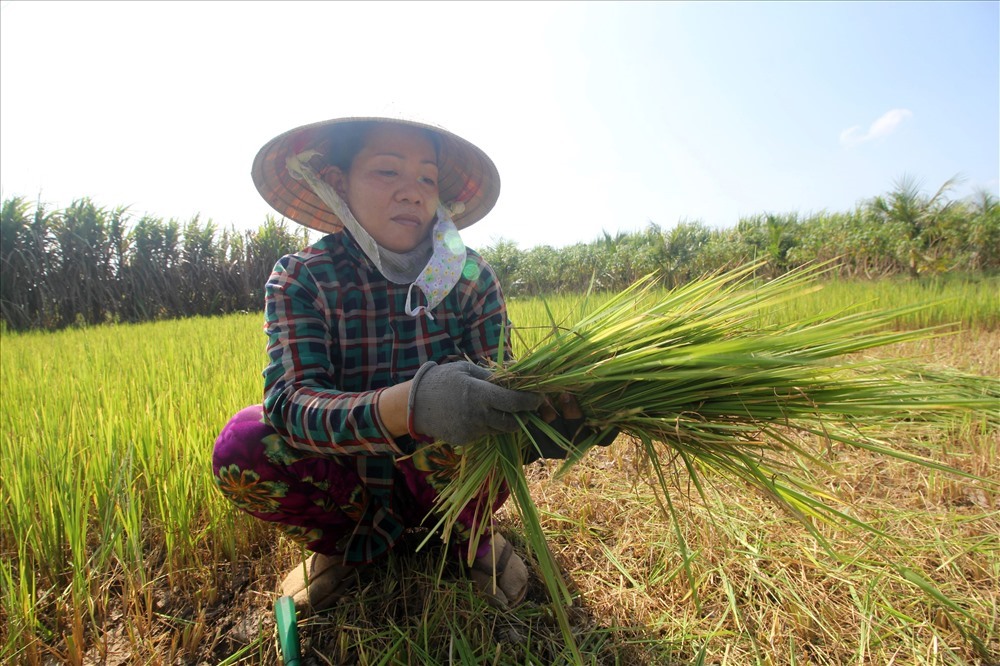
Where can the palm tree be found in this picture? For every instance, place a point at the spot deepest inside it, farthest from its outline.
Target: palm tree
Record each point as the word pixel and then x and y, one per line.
pixel 916 217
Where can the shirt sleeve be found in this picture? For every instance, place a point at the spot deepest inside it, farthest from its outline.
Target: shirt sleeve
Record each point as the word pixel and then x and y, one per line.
pixel 301 400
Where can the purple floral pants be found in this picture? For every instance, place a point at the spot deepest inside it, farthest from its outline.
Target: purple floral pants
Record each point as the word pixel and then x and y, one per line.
pixel 318 500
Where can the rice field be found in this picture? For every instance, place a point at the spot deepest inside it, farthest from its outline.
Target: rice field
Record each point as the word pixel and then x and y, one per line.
pixel 116 547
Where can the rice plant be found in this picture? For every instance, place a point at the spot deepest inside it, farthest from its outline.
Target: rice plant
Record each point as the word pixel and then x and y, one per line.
pixel 115 546
pixel 700 380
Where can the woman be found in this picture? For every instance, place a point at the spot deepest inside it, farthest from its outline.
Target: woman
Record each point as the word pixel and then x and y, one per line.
pixel 378 338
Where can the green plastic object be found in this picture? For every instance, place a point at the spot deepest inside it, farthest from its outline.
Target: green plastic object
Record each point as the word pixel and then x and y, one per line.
pixel 288 631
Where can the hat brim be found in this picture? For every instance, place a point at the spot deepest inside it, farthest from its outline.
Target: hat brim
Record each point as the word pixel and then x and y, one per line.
pixel 466 175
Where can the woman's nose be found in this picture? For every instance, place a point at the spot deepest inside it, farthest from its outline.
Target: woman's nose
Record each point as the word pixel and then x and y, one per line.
pixel 409 190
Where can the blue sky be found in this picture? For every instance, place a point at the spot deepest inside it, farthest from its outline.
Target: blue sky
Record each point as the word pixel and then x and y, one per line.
pixel 600 116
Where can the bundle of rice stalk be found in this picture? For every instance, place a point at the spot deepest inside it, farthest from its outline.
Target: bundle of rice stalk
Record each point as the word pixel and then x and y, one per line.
pixel 698 377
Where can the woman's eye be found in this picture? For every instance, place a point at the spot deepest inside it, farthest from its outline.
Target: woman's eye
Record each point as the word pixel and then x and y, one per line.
pixel 386 172
pixel 429 180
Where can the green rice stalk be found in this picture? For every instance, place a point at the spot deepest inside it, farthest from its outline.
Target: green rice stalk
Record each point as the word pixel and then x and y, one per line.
pixel 701 379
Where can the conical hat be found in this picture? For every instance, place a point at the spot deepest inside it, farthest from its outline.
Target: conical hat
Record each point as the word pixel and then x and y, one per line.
pixel 468 181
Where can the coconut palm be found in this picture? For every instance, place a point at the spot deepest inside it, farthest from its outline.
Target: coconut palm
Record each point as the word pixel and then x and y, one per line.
pixel 914 217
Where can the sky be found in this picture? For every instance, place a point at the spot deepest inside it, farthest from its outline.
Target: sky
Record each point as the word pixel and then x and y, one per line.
pixel 601 117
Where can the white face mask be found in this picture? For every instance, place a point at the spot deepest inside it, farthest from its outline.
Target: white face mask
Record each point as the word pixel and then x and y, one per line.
pixel 434 267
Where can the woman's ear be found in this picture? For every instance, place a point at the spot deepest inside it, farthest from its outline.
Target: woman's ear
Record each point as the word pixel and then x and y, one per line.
pixel 337 179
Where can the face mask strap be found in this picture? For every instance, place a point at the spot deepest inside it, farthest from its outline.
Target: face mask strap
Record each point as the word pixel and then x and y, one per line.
pixel 420 309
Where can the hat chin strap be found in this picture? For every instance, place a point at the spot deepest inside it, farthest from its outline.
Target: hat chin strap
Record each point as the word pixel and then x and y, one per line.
pixel 435 266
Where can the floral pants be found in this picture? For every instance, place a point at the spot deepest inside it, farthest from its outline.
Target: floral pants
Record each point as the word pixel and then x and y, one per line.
pixel 318 500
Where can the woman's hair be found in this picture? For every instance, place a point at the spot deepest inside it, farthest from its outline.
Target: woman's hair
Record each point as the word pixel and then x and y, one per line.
pixel 342 153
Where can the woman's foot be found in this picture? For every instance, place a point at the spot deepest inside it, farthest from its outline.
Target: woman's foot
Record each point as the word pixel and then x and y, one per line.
pixel 318 583
pixel 501 575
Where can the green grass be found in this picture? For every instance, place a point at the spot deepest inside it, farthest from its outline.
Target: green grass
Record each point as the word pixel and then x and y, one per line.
pixel 972 301
pixel 107 437
pixel 114 540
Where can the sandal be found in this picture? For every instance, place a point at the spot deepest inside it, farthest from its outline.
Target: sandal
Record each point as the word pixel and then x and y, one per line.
pixel 504 582
pixel 318 583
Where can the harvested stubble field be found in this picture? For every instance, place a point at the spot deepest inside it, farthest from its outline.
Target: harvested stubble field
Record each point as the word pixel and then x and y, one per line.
pixel 117 549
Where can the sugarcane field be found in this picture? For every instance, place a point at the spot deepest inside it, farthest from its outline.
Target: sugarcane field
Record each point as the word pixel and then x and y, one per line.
pixel 804 465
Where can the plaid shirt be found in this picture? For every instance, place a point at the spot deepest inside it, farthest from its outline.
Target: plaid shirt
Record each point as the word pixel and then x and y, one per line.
pixel 337 336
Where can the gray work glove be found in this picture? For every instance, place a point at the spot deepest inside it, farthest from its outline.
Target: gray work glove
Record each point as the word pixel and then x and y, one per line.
pixel 456 403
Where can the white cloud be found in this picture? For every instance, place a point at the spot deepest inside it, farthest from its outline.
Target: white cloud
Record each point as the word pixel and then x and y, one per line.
pixel 885 125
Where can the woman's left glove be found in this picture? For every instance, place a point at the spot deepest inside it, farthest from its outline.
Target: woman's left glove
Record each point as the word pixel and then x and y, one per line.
pixel 456 403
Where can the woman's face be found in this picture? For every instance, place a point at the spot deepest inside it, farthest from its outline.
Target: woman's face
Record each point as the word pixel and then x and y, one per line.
pixel 392 186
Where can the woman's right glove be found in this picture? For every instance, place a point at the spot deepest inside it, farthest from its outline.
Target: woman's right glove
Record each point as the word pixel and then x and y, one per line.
pixel 569 425
pixel 456 403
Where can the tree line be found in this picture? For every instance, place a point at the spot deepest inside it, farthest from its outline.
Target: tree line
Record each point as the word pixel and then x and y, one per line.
pixel 90 265
pixel 903 232
pixel 87 264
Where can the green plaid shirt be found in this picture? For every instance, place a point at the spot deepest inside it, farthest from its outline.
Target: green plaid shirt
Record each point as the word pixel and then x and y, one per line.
pixel 337 336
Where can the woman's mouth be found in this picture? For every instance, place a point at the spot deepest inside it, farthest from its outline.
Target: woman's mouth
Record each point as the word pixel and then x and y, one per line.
pixel 407 220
